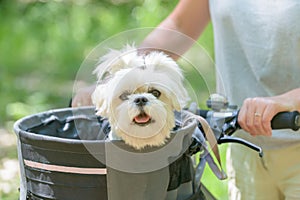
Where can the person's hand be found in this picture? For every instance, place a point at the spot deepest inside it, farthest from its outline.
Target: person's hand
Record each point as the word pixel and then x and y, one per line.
pixel 256 113
pixel 83 97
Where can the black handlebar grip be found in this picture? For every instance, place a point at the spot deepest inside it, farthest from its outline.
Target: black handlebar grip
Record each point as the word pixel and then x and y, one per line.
pixel 286 120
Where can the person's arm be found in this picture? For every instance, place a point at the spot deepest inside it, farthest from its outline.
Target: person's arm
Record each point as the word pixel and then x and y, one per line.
pixel 187 21
pixel 177 33
pixel 256 113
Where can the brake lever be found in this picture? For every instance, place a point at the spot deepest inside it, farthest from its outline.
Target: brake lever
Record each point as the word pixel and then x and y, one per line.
pixel 230 139
pixel 230 126
pixel 224 124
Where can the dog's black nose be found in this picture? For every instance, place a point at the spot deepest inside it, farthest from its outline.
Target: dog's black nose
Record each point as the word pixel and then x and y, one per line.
pixel 141 101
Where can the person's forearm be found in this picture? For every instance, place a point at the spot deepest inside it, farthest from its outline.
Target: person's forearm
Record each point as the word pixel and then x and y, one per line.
pixel 293 97
pixel 177 33
pixel 167 38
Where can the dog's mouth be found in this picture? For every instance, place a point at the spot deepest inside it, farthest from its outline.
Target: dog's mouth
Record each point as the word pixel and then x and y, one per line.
pixel 142 119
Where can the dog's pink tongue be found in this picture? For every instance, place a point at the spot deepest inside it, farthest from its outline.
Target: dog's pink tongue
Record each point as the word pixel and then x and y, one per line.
pixel 142 118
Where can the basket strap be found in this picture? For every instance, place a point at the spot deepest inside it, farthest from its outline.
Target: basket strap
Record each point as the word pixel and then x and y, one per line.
pixel 206 155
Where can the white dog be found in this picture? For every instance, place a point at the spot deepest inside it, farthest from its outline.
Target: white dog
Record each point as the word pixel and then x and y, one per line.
pixel 138 94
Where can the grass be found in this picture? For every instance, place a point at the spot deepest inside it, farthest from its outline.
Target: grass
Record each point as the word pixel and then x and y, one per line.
pixel 43 44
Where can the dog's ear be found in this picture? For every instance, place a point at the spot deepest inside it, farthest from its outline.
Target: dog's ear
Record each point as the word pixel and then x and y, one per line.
pixel 108 63
pixel 176 104
pixel 116 60
pixel 179 101
pixel 182 96
pixel 100 102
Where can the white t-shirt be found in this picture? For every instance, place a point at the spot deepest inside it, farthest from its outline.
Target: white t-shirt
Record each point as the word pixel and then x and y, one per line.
pixel 257 53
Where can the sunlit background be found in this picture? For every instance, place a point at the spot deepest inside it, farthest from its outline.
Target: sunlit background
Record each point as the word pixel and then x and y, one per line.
pixel 42 45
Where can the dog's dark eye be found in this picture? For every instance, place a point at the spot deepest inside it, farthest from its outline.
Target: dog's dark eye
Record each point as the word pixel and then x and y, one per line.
pixel 124 96
pixel 155 93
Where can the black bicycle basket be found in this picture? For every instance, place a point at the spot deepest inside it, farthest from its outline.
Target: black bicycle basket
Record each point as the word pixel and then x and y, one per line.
pixel 64 154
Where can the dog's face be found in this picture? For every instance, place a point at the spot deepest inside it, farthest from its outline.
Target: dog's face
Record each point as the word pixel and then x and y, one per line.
pixel 139 96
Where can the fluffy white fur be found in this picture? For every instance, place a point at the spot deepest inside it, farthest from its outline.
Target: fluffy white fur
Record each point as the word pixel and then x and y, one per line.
pixel 138 94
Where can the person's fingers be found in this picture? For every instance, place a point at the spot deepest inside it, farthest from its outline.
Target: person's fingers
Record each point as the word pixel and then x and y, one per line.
pixel 258 116
pixel 253 117
pixel 242 117
pixel 269 113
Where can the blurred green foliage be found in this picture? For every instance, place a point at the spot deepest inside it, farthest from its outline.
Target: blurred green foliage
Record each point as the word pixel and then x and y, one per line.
pixel 43 43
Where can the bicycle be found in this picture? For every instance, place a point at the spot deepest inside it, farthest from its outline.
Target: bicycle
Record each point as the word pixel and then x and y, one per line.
pixel 46 139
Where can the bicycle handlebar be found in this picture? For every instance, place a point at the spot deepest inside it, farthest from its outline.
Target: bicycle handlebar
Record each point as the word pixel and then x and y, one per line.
pixel 224 124
pixel 282 120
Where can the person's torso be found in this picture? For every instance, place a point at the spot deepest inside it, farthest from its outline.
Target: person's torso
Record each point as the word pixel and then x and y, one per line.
pixel 257 47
